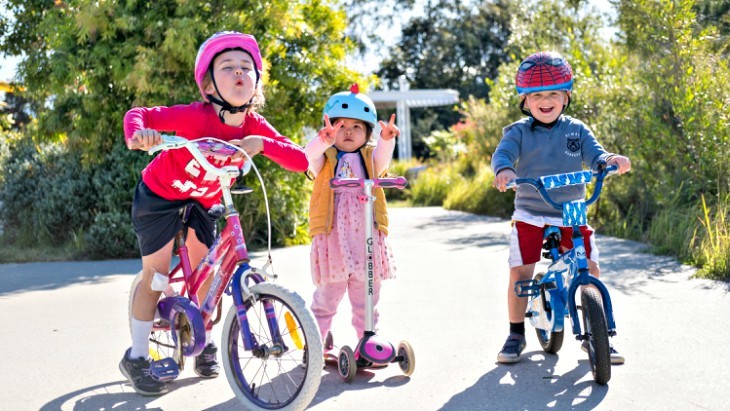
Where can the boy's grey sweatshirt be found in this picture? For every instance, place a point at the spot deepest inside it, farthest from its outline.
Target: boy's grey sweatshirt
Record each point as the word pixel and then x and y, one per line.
pixel 535 152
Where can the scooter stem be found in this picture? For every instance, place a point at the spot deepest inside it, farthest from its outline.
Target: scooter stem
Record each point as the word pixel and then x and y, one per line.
pixel 369 277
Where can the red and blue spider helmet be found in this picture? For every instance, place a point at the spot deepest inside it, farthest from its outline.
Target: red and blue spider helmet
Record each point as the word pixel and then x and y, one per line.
pixel 544 71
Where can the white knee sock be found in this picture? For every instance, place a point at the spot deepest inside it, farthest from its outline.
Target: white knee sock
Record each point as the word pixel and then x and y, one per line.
pixel 208 338
pixel 140 338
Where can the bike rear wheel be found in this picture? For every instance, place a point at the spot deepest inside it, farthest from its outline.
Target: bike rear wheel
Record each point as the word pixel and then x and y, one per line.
pixel 265 379
pixel 550 341
pixel 594 324
pixel 162 344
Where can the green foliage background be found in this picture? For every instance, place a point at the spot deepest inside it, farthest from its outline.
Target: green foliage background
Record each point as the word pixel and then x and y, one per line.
pixel 658 94
pixel 68 179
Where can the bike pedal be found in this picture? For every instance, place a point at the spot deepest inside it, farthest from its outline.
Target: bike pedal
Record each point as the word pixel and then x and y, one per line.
pixel 526 288
pixel 164 370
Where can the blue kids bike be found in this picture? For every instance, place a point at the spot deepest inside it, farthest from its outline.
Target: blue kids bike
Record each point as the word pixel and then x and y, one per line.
pixel 552 295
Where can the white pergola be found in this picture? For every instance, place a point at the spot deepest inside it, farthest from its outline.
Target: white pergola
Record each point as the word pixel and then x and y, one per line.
pixel 403 100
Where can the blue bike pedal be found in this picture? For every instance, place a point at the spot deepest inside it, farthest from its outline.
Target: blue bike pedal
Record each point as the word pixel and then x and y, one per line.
pixel 165 369
pixel 527 288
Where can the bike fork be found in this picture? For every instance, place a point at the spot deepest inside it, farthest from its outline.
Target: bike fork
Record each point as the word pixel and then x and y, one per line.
pixel 249 340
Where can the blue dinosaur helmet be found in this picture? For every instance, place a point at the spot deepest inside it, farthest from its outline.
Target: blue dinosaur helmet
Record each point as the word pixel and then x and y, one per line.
pixel 351 104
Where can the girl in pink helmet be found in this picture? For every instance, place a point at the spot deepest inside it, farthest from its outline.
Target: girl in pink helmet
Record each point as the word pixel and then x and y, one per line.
pixel 228 74
pixel 343 148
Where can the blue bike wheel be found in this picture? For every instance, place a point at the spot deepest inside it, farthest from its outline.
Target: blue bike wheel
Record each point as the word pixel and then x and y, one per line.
pixel 594 325
pixel 278 374
pixel 550 341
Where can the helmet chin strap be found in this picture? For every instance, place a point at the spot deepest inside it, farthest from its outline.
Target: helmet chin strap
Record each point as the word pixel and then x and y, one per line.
pixel 226 106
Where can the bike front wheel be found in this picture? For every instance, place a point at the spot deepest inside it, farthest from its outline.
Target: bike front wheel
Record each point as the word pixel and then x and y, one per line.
pixel 268 377
pixel 594 323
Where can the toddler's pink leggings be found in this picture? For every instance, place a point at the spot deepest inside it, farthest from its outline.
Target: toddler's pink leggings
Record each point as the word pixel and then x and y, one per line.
pixel 327 297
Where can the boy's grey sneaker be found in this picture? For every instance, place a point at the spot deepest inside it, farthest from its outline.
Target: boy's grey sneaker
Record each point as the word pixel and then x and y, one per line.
pixel 616 358
pixel 206 364
pixel 137 372
pixel 512 349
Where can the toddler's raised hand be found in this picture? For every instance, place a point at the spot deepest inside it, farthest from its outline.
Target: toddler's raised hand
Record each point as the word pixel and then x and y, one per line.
pixel 502 178
pixel 328 133
pixel 389 131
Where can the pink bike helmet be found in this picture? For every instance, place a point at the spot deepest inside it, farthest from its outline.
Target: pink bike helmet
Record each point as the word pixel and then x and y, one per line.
pixel 213 46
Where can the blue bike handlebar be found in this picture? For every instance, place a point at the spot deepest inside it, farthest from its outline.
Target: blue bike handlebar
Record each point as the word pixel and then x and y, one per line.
pixel 544 183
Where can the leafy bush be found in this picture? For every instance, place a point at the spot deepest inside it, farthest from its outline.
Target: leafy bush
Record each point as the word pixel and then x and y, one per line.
pixel 432 185
pixel 111 235
pixel 476 195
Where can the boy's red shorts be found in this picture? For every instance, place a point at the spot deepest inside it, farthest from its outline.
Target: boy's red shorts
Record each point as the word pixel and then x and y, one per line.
pixel 526 243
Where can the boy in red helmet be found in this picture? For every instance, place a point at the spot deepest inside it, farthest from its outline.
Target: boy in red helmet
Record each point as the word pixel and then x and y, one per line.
pixel 546 142
pixel 228 73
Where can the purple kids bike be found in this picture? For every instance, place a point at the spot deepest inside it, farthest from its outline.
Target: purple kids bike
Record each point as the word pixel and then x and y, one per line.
pixel 268 331
pixel 372 351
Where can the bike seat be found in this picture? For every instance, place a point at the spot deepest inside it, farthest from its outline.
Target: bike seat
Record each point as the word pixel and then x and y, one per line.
pixel 216 211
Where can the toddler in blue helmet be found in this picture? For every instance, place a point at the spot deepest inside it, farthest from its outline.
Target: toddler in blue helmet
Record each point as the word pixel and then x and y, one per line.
pixel 545 142
pixel 343 148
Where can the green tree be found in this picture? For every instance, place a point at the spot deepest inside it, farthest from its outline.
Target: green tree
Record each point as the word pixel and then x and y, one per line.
pixel 455 45
pixel 86 63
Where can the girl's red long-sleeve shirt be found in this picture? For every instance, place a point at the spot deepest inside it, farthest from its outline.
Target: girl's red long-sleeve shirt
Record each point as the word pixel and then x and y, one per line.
pixel 176 175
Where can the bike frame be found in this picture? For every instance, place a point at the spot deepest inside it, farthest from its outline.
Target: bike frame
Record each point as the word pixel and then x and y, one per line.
pixel 573 261
pixel 227 259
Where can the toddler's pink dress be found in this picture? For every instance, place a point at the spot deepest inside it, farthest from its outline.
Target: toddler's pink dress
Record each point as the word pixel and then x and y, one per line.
pixel 338 258
pixel 341 253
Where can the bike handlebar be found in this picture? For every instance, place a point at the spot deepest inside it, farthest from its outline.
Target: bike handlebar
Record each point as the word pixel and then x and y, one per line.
pixel 387 182
pixel 544 183
pixel 196 147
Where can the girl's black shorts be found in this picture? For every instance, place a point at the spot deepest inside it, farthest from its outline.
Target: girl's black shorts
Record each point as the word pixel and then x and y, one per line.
pixel 157 220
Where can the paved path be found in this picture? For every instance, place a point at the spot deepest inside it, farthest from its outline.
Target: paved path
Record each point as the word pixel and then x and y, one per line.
pixel 65 328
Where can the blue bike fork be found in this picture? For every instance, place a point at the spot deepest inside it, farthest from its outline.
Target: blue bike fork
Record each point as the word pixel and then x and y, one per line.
pixel 236 290
pixel 583 278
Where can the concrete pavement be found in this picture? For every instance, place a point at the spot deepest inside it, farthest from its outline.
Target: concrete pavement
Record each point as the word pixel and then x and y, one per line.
pixel 65 329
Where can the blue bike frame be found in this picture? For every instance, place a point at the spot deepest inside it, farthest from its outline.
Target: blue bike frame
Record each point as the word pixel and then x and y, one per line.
pixel 573 261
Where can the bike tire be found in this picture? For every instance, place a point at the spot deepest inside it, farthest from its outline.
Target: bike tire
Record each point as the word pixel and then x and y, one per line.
pixel 551 342
pixel 286 382
pixel 162 344
pixel 594 323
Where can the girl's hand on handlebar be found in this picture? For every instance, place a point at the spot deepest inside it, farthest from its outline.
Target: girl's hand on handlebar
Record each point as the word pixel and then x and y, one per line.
pixel 146 138
pixel 502 178
pixel 251 144
pixel 328 133
pixel 389 131
pixel 623 163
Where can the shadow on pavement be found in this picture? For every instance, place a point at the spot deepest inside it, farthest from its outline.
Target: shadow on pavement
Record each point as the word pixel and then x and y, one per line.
pixel 113 395
pixel 24 277
pixel 531 385
pixel 333 386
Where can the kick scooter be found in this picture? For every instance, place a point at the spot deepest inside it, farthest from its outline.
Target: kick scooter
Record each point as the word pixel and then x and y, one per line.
pixel 372 351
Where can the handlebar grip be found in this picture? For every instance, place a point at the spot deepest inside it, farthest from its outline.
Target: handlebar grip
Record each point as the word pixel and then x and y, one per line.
pixel 346 182
pixel 391 182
